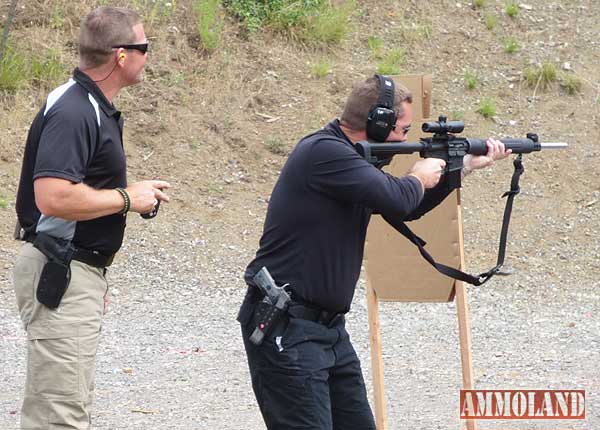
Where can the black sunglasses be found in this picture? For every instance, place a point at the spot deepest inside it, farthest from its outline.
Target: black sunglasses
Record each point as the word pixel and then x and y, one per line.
pixel 405 129
pixel 142 47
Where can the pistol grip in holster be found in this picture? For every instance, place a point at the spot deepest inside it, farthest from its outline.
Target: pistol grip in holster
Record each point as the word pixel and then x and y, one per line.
pixel 266 317
pixel 56 274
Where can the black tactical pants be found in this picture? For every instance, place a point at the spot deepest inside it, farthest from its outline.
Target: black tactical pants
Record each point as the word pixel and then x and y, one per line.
pixel 307 376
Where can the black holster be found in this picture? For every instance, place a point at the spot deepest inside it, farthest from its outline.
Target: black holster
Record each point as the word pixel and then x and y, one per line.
pixel 56 273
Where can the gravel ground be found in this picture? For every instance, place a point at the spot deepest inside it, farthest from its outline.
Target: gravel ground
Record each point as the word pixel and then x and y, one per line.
pixel 171 356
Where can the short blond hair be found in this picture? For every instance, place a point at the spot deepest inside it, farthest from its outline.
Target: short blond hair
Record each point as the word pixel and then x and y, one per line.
pixel 362 99
pixel 102 29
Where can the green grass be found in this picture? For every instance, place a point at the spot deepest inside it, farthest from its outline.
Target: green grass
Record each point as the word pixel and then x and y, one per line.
pixel 330 25
pixel 490 21
pixel 311 21
pixel 320 69
pixel 570 83
pixel 511 45
pixel 511 9
pixel 540 77
pixel 57 18
pixel 487 107
pixel 457 115
pixel 391 62
pixel 3 202
pixel 471 80
pixel 47 69
pixel 208 23
pixel 375 46
pixel 478 4
pixel 275 146
pixel 153 11
pixel 13 70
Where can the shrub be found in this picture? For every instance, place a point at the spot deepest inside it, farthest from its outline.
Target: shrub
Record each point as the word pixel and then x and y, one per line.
pixel 511 9
pixel 316 21
pixel 471 80
pixel 375 46
pixel 275 146
pixel 13 70
pixel 511 45
pixel 542 76
pixel 487 107
pixel 47 69
pixel 208 23
pixel 391 62
pixel 329 25
pixel 153 11
pixel 570 83
pixel 457 115
pixel 491 21
pixel 320 69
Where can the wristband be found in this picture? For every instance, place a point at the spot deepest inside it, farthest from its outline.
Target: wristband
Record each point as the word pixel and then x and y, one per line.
pixel 127 200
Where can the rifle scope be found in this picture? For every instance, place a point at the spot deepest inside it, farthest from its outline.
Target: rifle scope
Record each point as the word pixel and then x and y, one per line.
pixel 443 127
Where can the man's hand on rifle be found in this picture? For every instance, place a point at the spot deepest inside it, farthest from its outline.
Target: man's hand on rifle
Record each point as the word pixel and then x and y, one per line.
pixel 428 171
pixel 496 151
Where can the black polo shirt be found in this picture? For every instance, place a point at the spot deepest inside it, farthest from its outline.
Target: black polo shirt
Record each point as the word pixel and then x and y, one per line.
pixel 317 218
pixel 77 136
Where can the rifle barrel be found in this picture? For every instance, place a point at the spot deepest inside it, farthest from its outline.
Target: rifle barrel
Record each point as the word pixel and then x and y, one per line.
pixel 554 145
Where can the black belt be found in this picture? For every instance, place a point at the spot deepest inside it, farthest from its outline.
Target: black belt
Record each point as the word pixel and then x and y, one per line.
pixel 315 314
pixel 91 258
pixel 299 308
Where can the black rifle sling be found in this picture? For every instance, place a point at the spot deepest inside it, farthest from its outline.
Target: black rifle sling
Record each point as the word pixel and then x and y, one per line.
pixel 458 274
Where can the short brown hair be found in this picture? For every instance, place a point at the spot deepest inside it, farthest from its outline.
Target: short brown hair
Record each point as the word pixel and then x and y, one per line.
pixel 364 96
pixel 102 29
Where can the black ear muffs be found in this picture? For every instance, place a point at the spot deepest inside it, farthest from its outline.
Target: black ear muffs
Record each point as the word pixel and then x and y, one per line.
pixel 382 117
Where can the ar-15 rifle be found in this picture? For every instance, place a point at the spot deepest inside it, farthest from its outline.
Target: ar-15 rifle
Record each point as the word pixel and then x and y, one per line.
pixel 452 149
pixel 447 147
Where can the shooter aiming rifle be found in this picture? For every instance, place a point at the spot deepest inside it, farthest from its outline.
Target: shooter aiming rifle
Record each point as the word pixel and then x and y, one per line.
pixel 452 149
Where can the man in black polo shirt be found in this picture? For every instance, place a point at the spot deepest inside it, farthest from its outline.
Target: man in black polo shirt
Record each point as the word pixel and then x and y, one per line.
pixel 71 205
pixel 306 374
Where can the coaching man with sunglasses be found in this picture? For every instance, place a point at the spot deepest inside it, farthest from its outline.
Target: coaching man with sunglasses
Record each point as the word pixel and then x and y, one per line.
pixel 306 374
pixel 72 203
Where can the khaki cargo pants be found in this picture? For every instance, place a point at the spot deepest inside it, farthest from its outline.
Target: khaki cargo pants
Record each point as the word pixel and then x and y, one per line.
pixel 61 344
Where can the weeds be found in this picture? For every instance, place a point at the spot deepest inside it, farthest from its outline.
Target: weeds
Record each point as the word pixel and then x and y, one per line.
pixel 491 21
pixel 320 69
pixel 57 19
pixel 315 21
pixel 375 46
pixel 470 79
pixel 540 77
pixel 13 70
pixel 570 83
pixel 153 11
pixel 47 70
pixel 275 146
pixel 330 25
pixel 391 62
pixel 487 107
pixel 208 23
pixel 3 202
pixel 511 9
pixel 511 45
pixel 478 4
pixel 457 115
